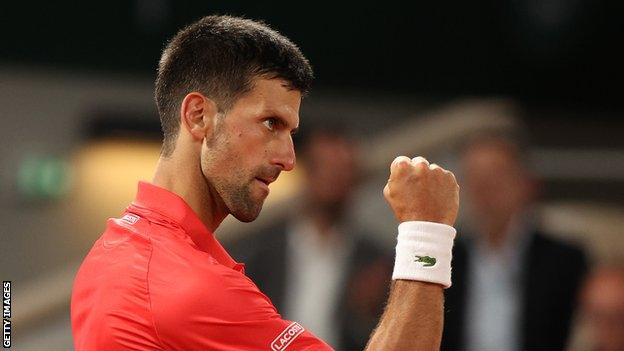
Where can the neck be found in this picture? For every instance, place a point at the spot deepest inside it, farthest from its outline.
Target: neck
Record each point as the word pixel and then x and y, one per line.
pixel 496 232
pixel 495 238
pixel 183 176
pixel 325 219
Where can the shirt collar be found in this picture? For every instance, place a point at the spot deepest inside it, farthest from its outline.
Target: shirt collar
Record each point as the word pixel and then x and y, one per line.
pixel 172 206
pixel 516 241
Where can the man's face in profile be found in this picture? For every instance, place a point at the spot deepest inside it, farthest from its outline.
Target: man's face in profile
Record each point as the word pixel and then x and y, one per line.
pixel 251 145
pixel 331 170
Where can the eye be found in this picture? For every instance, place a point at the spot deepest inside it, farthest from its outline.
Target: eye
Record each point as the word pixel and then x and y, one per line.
pixel 270 123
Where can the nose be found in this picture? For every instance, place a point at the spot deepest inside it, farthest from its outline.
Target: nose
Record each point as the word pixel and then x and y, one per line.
pixel 284 156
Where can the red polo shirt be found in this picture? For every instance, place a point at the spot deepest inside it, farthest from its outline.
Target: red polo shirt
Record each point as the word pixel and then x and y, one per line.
pixel 157 279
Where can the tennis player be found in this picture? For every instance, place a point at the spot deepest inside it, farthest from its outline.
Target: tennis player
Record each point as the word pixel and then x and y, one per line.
pixel 228 93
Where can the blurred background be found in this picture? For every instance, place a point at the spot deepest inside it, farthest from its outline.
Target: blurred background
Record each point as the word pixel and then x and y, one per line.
pixel 80 128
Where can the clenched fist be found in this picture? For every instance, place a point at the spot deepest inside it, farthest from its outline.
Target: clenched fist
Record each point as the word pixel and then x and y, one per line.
pixel 417 191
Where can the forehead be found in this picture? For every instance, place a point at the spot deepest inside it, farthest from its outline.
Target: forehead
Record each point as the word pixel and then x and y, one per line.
pixel 318 143
pixel 271 97
pixel 490 152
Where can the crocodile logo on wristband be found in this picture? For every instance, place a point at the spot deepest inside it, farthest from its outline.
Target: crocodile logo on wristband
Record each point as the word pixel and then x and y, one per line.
pixel 427 261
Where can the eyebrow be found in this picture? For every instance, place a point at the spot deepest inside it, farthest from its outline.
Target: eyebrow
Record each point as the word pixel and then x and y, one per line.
pixel 284 122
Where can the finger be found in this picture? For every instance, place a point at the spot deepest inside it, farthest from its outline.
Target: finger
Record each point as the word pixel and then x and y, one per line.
pixel 400 162
pixel 450 174
pixel 419 159
pixel 434 166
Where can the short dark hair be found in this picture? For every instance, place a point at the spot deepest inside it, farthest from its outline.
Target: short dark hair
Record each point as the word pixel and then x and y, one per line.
pixel 516 141
pixel 330 126
pixel 220 56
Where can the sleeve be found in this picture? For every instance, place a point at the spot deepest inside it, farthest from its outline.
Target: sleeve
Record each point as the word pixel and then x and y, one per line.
pixel 224 310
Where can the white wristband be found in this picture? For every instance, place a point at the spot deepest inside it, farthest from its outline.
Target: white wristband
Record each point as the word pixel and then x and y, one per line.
pixel 424 252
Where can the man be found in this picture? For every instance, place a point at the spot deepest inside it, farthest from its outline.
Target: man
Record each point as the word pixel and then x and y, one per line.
pixel 315 265
pixel 514 287
pixel 228 93
pixel 602 302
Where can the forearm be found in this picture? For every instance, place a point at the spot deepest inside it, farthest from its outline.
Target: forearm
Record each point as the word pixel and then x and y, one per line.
pixel 413 319
pixel 425 200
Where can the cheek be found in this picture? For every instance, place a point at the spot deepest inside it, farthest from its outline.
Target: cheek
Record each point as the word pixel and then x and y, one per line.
pixel 251 140
pixel 247 151
pixel 252 146
pixel 221 158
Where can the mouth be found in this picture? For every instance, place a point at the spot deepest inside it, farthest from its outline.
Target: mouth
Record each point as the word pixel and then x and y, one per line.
pixel 264 182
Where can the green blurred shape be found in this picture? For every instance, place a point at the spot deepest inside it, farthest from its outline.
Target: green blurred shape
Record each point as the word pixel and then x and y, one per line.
pixel 43 177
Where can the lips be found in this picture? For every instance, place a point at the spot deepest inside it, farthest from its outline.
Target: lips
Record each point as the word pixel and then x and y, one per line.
pixel 266 181
pixel 268 178
pixel 264 185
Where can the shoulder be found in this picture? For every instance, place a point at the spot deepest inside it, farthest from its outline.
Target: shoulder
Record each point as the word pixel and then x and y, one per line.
pixel 180 270
pixel 550 247
pixel 215 307
pixel 552 258
pixel 207 290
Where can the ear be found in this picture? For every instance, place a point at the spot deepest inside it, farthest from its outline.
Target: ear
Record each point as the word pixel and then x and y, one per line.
pixel 198 114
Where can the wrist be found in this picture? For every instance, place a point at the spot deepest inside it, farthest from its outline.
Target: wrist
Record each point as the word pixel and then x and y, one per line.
pixel 424 252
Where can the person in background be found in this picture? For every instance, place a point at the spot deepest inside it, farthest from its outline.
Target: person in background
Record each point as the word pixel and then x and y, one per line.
pixel 315 265
pixel 603 308
pixel 514 287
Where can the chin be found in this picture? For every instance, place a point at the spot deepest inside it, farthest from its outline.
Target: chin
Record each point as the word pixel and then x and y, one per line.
pixel 246 218
pixel 247 215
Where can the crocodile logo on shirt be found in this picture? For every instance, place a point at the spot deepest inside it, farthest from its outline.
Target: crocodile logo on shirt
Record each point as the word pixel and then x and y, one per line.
pixel 427 261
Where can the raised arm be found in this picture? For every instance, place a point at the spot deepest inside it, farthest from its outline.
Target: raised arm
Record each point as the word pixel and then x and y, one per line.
pixel 413 319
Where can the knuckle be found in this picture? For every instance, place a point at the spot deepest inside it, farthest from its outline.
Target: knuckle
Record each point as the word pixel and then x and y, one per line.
pixel 400 167
pixel 450 176
pixel 420 167
pixel 420 159
pixel 415 175
pixel 399 160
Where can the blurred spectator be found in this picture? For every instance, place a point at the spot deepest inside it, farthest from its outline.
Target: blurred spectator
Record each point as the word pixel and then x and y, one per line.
pixel 603 308
pixel 514 287
pixel 316 267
